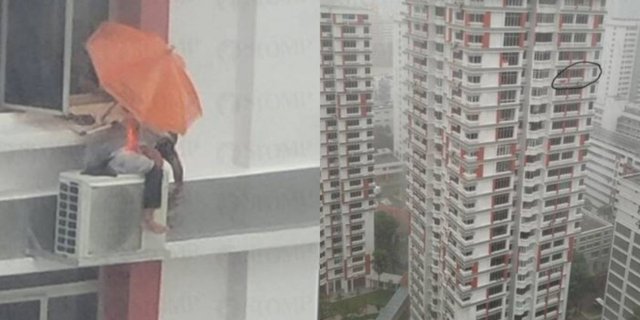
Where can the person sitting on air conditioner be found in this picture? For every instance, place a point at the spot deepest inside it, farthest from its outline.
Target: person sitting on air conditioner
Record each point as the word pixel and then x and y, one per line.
pixel 128 149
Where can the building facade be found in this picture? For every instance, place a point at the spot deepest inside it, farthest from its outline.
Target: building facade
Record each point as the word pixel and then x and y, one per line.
pixel 622 295
pixel 399 87
pixel 628 122
pixel 619 62
pixel 594 243
pixel 495 207
pixel 611 156
pixel 249 210
pixel 347 164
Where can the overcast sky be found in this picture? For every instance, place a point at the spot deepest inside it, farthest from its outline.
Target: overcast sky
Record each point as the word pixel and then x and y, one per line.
pixel 624 8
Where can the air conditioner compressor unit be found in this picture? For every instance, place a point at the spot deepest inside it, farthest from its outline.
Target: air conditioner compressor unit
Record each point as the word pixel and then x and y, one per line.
pixel 98 220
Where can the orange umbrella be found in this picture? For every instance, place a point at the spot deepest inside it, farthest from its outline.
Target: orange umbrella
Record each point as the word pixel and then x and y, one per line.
pixel 145 76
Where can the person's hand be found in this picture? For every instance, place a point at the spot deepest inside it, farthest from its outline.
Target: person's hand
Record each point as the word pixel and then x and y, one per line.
pixel 152 154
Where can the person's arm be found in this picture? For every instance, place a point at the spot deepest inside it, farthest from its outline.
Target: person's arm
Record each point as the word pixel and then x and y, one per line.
pixel 152 154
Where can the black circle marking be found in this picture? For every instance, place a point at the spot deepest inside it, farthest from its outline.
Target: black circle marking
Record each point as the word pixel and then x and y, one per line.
pixel 553 86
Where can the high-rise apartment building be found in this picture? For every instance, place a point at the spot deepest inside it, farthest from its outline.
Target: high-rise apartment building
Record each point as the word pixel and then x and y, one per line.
pixel 347 176
pixel 619 59
pixel 496 156
pixel 622 295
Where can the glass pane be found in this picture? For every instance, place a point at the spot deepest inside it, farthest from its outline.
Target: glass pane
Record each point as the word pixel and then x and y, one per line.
pixel 34 57
pixel 82 307
pixel 20 311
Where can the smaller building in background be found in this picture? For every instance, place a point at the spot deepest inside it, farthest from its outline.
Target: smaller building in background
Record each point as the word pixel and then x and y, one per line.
pixel 629 122
pixel 386 164
pixel 383 116
pixel 594 242
pixel 611 155
pixel 622 296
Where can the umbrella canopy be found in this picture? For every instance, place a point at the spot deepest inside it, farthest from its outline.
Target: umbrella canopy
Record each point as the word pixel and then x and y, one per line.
pixel 145 76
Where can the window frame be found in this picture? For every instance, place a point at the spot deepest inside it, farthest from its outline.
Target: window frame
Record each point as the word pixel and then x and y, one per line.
pixel 68 99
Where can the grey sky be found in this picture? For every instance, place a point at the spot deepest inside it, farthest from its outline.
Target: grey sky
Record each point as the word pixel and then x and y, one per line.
pixel 624 8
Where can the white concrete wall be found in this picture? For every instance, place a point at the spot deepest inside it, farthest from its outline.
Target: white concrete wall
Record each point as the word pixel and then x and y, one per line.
pixel 279 284
pixel 283 283
pixel 194 288
pixel 263 68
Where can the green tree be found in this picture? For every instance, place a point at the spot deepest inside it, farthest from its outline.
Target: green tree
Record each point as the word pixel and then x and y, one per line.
pixel 385 237
pixel 581 282
pixel 380 261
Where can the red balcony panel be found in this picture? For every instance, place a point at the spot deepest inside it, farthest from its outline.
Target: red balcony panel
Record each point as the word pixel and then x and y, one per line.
pixel 487 19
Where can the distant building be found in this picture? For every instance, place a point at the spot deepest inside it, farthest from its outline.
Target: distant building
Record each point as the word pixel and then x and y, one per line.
pixel 620 61
pixel 622 296
pixel 387 163
pixel 383 116
pixel 610 156
pixel 398 91
pixel 594 242
pixel 629 122
pixel 347 147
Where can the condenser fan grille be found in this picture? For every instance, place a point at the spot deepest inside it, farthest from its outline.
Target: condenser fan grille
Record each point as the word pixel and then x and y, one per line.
pixel 67 218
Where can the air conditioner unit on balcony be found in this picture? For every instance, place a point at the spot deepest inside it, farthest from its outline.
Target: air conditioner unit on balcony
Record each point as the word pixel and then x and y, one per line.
pixel 98 220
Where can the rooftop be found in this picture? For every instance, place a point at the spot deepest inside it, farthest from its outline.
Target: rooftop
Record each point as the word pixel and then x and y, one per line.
pixel 592 222
pixel 385 158
pixel 617 139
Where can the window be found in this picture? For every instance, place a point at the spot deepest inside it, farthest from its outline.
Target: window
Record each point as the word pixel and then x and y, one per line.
pixel 542 55
pixel 582 19
pixel 512 19
pixel 473 79
pixel 509 77
pixel 500 199
pixel 475 38
pixel 439 11
pixel 501 183
pixel 541 73
pixel 543 37
pixel 474 98
pixel 348 29
pixel 349 57
pixel 496 261
pixel 494 290
pixel 475 59
pixel 503 166
pixel 36 42
pixel 580 37
pixel 545 18
pixel 351 84
pixel 507 96
pixel 506 114
pixel 510 58
pixel 503 149
pixel 511 39
pixel 504 133
pixel 539 92
pixel 476 17
pixel 497 246
pixel 349 44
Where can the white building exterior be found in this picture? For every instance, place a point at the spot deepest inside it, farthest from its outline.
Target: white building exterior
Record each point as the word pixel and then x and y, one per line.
pixel 594 243
pixel 249 215
pixel 495 208
pixel 611 156
pixel 623 281
pixel 619 59
pixel 347 164
pixel 399 87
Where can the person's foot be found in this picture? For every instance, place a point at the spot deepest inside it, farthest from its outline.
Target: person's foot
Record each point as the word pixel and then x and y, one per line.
pixel 154 227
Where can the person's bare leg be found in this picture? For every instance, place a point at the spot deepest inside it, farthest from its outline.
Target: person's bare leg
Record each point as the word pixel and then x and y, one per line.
pixel 150 223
